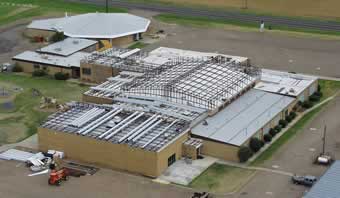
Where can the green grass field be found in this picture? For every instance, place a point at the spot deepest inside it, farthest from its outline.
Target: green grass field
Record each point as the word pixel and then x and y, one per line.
pixel 206 22
pixel 316 9
pixel 9 13
pixel 220 178
pixel 22 120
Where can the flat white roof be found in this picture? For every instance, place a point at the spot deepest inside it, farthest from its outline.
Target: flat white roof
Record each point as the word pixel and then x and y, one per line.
pixel 61 61
pixel 95 25
pixel 284 83
pixel 165 54
pixel 240 120
pixel 68 46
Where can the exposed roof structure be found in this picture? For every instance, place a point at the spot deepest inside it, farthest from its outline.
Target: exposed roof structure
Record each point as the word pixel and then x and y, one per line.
pixel 165 53
pixel 284 83
pixel 67 47
pixel 328 184
pixel 95 25
pixel 54 60
pixel 119 125
pixel 241 119
pixel 202 83
pixel 111 88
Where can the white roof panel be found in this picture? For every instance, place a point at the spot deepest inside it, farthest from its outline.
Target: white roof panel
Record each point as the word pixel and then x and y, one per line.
pixel 95 25
pixel 68 46
pixel 61 61
pixel 239 121
pixel 284 83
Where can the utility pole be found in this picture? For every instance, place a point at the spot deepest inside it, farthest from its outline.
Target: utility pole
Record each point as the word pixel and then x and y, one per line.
pixel 107 6
pixel 324 141
pixel 245 4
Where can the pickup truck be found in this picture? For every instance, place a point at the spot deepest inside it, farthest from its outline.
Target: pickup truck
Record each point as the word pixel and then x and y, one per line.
pixel 307 180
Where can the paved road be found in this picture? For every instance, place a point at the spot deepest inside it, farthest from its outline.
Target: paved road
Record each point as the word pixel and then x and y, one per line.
pixel 224 15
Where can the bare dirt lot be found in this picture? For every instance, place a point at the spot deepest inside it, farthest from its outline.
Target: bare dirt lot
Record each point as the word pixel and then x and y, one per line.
pixel 14 183
pixel 268 50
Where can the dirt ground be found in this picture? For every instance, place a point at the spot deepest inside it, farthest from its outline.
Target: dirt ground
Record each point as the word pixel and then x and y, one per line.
pixel 14 183
pixel 268 50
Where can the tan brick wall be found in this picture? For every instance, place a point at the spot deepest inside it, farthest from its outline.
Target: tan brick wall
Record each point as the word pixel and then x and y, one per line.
pixel 174 147
pixel 99 73
pixel 220 150
pixel 107 154
pixel 51 70
pixel 31 33
pixel 103 153
pixel 97 100
pixel 122 40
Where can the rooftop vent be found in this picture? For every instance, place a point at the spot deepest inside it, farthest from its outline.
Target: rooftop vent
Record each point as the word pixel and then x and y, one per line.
pixel 75 42
pixel 58 49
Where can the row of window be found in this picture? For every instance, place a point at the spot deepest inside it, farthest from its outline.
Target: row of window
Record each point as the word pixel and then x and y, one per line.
pixel 37 66
pixel 86 71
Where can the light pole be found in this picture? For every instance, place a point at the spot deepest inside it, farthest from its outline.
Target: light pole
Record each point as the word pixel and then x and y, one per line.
pixel 107 6
pixel 324 140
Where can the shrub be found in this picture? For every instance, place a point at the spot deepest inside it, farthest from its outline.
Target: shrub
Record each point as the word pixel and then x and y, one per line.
pixel 278 128
pixel 292 115
pixel 272 132
pixel 314 98
pixel 39 72
pixel 244 153
pixel 319 88
pixel 307 104
pixel 267 137
pixel 17 68
pixel 61 76
pixel 318 93
pixel 289 118
pixel 283 123
pixel 255 144
pixel 58 36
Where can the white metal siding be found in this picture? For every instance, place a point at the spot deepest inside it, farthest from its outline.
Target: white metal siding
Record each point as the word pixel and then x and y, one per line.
pixel 312 89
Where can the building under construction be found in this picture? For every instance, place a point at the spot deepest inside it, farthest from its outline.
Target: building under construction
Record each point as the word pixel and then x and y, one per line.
pixel 169 104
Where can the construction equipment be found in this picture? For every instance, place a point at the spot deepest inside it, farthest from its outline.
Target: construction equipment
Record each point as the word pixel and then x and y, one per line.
pixel 57 176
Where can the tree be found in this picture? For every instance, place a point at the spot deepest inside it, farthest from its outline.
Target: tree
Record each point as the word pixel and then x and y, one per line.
pixel 244 153
pixel 255 144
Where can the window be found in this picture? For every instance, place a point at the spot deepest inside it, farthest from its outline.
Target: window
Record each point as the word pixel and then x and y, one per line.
pixel 36 66
pixel 44 67
pixel 86 71
pixel 172 159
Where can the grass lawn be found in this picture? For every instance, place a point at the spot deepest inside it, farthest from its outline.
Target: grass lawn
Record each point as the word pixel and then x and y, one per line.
pixel 299 125
pixel 207 22
pixel 22 119
pixel 44 7
pixel 322 9
pixel 220 178
pixel 139 45
pixel 329 88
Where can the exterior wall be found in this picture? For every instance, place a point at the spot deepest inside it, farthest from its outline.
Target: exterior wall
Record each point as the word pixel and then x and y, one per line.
pixel 28 67
pixel 107 154
pixel 85 149
pixel 121 41
pixel 96 100
pixel 99 73
pixel 190 152
pixel 220 150
pixel 175 147
pixel 31 33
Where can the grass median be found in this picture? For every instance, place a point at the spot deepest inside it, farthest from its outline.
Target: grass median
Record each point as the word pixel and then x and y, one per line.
pixel 220 178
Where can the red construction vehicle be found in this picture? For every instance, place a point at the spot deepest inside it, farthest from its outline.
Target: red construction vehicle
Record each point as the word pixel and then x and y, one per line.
pixel 57 176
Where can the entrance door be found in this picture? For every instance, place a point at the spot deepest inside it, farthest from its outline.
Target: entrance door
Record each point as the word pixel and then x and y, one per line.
pixel 172 159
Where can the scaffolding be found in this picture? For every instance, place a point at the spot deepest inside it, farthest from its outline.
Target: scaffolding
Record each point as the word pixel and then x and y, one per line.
pixel 205 83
